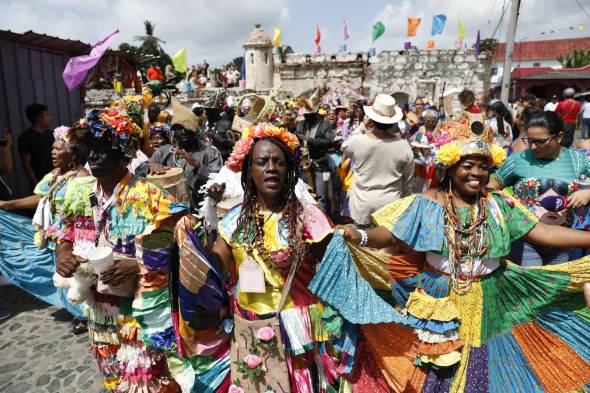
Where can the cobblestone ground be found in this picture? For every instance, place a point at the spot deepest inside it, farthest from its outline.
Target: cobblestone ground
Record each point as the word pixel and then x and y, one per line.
pixel 38 351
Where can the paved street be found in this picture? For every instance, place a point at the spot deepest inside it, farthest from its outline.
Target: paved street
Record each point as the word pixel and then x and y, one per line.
pixel 38 351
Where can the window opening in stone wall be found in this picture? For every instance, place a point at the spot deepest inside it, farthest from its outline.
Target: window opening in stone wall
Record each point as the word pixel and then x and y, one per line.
pixel 266 58
pixel 252 58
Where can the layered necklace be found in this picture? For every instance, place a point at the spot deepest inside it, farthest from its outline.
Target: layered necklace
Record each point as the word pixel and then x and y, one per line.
pixel 465 243
pixel 281 261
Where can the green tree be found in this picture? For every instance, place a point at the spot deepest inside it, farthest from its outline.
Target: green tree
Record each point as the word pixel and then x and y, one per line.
pixel 579 58
pixel 149 45
pixel 488 45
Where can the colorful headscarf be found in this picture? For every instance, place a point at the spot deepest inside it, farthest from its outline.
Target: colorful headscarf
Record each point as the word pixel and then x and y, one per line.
pixel 466 138
pixel 111 123
pixel 160 128
pixel 251 134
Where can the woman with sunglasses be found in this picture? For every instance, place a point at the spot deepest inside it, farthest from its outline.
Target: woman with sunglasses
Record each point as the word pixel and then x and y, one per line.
pixel 545 178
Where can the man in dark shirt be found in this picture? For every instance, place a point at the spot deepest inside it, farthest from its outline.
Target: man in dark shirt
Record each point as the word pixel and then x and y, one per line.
pixel 36 142
pixel 317 136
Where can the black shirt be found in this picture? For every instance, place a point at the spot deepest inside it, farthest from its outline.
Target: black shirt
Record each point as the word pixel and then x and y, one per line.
pixel 39 146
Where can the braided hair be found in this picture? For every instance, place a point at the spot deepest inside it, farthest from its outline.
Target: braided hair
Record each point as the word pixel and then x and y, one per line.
pixel 292 209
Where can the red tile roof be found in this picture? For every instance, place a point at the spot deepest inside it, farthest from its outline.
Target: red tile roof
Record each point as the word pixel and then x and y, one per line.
pixel 543 50
pixel 550 73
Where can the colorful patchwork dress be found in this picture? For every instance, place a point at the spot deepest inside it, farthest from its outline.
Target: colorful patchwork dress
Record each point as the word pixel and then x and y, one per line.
pixel 310 354
pixel 132 337
pixel 514 329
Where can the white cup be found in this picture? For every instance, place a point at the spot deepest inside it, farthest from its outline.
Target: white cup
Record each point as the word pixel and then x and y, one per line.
pixel 100 258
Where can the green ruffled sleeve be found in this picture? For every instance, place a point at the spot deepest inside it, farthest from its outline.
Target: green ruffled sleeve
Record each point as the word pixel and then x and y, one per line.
pixel 42 188
pixel 516 218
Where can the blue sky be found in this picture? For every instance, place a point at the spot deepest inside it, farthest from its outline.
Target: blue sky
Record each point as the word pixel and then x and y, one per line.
pixel 216 29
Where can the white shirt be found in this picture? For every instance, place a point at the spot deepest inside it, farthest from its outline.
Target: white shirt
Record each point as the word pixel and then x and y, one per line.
pixel 586 110
pixel 550 106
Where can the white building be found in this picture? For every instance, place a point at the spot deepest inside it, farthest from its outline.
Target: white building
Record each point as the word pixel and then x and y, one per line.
pixel 533 54
pixel 259 60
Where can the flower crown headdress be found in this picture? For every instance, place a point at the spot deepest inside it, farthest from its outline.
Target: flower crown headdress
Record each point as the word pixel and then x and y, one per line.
pixel 243 147
pixel 465 138
pixel 62 133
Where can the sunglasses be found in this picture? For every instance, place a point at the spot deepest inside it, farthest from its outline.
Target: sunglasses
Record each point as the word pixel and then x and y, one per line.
pixel 537 142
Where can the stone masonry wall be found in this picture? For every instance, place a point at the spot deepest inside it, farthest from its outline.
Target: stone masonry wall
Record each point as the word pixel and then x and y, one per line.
pixel 413 72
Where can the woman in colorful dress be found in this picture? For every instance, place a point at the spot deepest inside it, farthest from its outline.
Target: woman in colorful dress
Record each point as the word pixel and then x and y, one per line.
pixel 27 247
pixel 544 173
pixel 453 316
pixel 270 245
pixel 129 321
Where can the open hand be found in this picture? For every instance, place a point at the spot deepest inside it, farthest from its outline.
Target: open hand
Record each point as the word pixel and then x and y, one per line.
pixel 157 169
pixel 120 272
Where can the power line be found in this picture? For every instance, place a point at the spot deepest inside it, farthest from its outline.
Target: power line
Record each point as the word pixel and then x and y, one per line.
pixel 505 8
pixel 583 9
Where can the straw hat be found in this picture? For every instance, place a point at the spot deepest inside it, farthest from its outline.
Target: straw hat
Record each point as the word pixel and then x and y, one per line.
pixel 184 116
pixel 384 110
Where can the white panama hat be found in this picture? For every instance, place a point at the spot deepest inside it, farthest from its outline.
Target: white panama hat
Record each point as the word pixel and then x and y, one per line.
pixel 384 110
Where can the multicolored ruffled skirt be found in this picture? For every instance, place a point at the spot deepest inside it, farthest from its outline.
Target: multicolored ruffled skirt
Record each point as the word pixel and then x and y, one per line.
pixel 515 330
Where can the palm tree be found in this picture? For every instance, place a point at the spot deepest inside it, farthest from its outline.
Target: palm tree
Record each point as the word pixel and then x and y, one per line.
pixel 579 58
pixel 150 44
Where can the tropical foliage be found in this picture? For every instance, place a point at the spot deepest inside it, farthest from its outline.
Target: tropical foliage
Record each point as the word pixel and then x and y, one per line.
pixel 579 58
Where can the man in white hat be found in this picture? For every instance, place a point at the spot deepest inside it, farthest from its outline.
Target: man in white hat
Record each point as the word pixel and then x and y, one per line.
pixel 383 162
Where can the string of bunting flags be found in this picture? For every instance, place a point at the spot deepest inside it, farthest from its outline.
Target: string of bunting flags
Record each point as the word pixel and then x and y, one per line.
pixel 439 22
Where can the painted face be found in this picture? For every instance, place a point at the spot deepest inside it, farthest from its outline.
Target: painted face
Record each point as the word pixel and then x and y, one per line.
pixel 158 140
pixel 61 157
pixel 103 159
pixel 269 169
pixel 543 144
pixel 470 176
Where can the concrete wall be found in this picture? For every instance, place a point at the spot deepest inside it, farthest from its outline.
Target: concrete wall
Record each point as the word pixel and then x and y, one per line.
pixel 415 72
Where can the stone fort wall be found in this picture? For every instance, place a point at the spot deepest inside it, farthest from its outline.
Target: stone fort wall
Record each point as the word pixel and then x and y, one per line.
pixel 413 72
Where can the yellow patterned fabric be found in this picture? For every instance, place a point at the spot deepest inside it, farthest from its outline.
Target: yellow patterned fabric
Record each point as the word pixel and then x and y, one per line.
pixel 423 306
pixel 445 360
pixel 470 307
pixel 579 271
pixel 372 266
pixel 388 215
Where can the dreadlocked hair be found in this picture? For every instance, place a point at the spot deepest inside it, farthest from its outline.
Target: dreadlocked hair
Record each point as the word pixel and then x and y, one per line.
pixel 292 216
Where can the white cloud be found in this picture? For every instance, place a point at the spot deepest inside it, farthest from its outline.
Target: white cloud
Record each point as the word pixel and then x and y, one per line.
pixel 211 29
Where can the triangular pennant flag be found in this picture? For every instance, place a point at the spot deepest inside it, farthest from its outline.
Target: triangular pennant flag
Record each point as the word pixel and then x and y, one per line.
pixel 317 39
pixel 580 27
pixel 477 45
pixel 378 30
pixel 278 37
pixel 430 44
pixel 77 67
pixel 407 45
pixel 413 24
pixel 179 60
pixel 458 44
pixel 345 35
pixel 438 24
pixel 460 30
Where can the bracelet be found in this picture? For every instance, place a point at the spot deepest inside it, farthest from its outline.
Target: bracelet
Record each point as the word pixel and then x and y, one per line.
pixel 364 238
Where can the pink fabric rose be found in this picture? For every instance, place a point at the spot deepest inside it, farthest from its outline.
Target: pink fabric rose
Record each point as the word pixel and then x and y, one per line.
pixel 265 333
pixel 241 150
pixel 253 361
pixel 235 389
pixel 442 140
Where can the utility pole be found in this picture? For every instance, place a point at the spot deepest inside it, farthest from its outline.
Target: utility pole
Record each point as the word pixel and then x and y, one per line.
pixel 506 74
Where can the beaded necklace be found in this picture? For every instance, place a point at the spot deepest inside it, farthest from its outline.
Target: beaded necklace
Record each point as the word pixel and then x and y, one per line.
pixel 256 243
pixel 465 244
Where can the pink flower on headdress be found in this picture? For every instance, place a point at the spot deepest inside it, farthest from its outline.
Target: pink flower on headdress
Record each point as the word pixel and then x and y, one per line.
pixel 253 361
pixel 61 133
pixel 265 333
pixel 241 149
pixel 442 140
